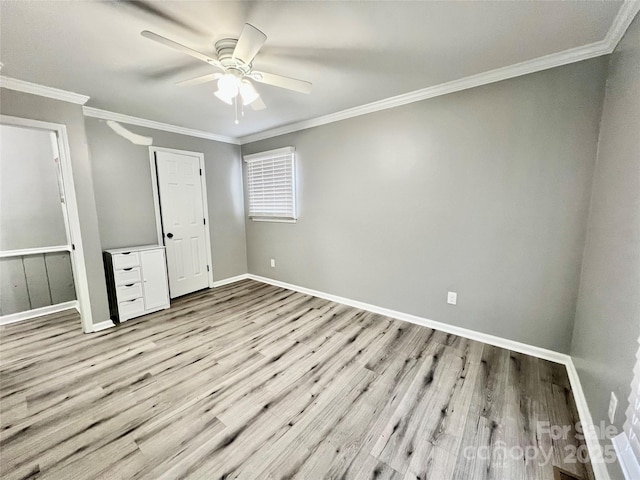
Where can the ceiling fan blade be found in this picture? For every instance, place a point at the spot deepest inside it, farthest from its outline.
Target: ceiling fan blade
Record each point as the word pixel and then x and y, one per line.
pixel 181 48
pixel 210 77
pixel 282 82
pixel 148 8
pixel 250 42
pixel 258 104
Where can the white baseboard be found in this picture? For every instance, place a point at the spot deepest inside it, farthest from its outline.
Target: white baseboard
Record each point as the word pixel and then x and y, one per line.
pixel 227 281
pixel 102 325
pixel 425 322
pixel 37 312
pixel 593 444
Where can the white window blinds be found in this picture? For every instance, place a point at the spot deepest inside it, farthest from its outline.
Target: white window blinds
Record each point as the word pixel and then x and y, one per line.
pixel 271 184
pixel 628 443
pixel 632 426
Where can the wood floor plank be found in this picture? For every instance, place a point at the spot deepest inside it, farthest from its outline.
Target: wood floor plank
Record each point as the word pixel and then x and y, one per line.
pixel 484 419
pixel 532 415
pixel 319 422
pixel 435 458
pixel 407 426
pixel 253 381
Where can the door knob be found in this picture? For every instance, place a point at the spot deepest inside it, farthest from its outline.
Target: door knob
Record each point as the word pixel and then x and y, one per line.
pixel 169 235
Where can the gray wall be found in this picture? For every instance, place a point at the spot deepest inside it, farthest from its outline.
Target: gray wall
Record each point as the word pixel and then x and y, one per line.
pixel 30 210
pixel 484 192
pixel 25 105
pixel 607 322
pixel 124 199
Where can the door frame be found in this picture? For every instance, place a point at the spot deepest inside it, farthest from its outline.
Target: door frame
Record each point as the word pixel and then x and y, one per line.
pixel 156 199
pixel 72 218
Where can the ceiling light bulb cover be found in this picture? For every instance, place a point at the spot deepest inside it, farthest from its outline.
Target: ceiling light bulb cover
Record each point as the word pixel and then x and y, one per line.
pixel 228 99
pixel 228 85
pixel 248 92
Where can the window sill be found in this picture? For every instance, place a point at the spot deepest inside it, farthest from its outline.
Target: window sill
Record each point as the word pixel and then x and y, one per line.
pixel 274 220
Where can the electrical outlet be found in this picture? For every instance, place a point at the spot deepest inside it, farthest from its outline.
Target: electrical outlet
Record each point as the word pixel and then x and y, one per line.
pixel 273 263
pixel 452 298
pixel 613 404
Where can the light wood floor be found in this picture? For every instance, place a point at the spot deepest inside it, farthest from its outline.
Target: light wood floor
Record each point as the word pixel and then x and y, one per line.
pixel 254 381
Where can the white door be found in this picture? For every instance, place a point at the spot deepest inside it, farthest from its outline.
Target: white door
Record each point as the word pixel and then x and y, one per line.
pixel 154 279
pixel 183 222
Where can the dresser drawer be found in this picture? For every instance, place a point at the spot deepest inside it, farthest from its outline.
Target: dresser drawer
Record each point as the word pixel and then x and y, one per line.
pixel 130 309
pixel 127 275
pixel 125 260
pixel 136 281
pixel 129 291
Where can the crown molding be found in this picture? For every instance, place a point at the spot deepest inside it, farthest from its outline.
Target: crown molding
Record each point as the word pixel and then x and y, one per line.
pixel 143 122
pixel 492 76
pixel 624 17
pixel 42 90
pixel 626 14
pixel 65 96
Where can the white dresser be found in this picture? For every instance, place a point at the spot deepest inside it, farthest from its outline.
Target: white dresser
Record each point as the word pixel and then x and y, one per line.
pixel 136 281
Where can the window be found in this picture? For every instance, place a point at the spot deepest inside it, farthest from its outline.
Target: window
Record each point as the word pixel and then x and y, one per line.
pixel 627 444
pixel 271 182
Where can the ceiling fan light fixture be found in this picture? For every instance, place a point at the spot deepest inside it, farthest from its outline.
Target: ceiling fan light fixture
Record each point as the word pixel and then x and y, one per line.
pixel 228 85
pixel 248 92
pixel 234 57
pixel 228 99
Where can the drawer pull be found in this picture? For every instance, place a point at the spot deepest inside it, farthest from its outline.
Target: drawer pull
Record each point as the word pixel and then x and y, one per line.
pixel 129 285
pixel 132 300
pixel 126 276
pixel 126 260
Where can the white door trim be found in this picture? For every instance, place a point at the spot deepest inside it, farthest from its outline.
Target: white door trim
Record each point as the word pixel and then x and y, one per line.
pixel 156 199
pixel 72 217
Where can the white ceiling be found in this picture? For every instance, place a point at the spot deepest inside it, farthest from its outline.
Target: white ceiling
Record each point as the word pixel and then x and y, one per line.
pixel 353 52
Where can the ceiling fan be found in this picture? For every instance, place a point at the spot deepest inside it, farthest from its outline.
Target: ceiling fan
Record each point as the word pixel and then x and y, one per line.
pixel 234 59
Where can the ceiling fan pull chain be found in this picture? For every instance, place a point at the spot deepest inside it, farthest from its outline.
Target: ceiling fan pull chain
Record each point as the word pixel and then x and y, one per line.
pixel 235 105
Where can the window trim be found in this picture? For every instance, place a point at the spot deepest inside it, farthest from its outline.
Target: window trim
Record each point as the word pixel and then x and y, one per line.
pixel 269 154
pixel 627 457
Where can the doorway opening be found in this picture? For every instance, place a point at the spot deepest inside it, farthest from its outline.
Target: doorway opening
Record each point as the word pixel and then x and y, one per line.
pixel 41 255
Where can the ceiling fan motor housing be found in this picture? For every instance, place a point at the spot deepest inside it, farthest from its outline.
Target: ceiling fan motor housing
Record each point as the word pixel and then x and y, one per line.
pixel 224 50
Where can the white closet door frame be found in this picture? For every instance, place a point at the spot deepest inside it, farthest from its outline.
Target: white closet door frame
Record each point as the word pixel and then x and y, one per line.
pixel 72 219
pixel 156 199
